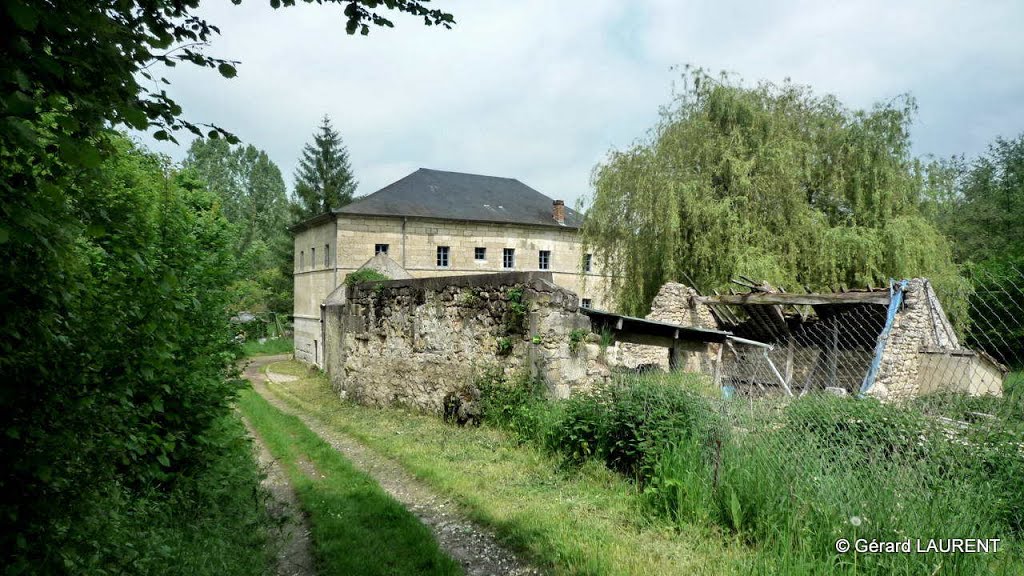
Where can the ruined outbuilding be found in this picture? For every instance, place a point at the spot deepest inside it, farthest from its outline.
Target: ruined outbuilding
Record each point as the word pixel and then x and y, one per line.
pixel 893 343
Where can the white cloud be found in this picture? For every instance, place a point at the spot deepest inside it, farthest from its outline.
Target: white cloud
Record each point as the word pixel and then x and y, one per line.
pixel 538 90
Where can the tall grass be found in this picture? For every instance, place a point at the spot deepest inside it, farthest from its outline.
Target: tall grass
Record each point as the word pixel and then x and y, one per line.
pixel 790 479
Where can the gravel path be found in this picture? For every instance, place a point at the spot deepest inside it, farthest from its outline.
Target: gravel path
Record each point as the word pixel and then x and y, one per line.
pixel 470 544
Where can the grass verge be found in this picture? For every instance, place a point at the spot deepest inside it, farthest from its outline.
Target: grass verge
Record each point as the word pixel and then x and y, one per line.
pixel 357 528
pixel 585 520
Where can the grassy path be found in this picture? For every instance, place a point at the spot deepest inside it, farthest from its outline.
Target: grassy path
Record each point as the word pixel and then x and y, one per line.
pixel 473 550
pixel 569 521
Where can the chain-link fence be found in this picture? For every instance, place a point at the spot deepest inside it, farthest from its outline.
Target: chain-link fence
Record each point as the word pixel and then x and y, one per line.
pixel 865 432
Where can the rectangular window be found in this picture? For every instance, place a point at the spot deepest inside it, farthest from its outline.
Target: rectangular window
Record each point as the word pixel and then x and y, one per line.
pixel 544 260
pixel 442 256
pixel 327 255
pixel 302 259
pixel 479 253
pixel 380 249
pixel 588 261
pixel 508 258
pixel 586 303
pixel 312 257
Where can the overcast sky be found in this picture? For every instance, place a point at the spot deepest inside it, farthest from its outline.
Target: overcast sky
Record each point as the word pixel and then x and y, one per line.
pixel 540 90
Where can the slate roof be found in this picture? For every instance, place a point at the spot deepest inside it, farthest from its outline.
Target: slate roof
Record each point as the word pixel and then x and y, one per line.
pixel 458 196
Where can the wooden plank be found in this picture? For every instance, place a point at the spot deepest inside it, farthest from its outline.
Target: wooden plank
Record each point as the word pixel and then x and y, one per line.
pixel 881 298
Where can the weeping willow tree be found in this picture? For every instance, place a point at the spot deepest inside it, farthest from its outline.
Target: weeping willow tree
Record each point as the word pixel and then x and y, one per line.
pixel 772 182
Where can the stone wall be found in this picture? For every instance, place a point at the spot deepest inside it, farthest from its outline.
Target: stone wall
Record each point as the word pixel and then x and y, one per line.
pixel 674 304
pixel 922 354
pixel 414 342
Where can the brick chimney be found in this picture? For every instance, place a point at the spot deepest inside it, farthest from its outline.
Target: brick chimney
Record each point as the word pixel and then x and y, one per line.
pixel 558 211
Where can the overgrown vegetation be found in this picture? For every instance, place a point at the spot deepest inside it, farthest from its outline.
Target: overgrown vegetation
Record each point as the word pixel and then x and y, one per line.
pixel 568 520
pixel 515 313
pixel 576 339
pixel 364 275
pixel 357 528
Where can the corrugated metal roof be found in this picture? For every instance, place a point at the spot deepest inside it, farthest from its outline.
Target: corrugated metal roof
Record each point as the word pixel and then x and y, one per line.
pixel 458 196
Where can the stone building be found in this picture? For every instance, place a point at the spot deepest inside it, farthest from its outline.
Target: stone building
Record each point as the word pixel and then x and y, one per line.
pixel 438 223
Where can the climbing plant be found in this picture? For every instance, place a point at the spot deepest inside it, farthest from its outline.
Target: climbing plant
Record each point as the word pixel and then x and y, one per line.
pixel 770 181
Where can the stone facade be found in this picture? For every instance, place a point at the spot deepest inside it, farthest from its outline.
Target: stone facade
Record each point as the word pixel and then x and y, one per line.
pixel 416 342
pixel 348 241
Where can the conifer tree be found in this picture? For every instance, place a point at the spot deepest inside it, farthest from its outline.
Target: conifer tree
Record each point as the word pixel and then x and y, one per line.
pixel 324 180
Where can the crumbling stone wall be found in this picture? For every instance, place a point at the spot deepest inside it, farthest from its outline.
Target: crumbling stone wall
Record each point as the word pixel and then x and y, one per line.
pixel 923 355
pixel 415 342
pixel 674 304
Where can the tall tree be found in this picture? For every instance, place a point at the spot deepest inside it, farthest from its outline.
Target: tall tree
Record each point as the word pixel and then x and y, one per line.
pixel 984 213
pixel 252 197
pixel 324 180
pixel 769 181
pixel 249 185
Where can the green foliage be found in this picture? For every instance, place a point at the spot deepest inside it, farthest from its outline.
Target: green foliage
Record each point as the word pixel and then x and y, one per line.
pixel 792 486
pixel 980 205
pixel 576 339
pixel 772 182
pixel 324 179
pixel 505 345
pixel 253 199
pixel 364 275
pixel 213 520
pixel 357 528
pixel 516 404
pixel 629 423
pixel 270 347
pixel 118 348
pixel 515 311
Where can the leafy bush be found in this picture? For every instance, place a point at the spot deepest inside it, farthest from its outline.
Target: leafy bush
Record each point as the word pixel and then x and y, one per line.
pixel 515 404
pixel 629 423
pixel 515 313
pixel 504 346
pixel 213 521
pixel 364 275
pixel 118 354
pixel 576 338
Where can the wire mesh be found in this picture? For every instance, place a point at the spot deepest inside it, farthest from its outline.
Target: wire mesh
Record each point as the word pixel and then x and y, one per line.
pixel 897 422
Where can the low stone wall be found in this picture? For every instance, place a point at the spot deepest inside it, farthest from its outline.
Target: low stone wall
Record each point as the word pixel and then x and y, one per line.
pixel 414 342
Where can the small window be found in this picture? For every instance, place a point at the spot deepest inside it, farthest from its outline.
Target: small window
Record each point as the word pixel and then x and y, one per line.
pixel 508 258
pixel 480 253
pixel 302 259
pixel 312 257
pixel 379 249
pixel 587 303
pixel 544 260
pixel 327 255
pixel 442 256
pixel 588 262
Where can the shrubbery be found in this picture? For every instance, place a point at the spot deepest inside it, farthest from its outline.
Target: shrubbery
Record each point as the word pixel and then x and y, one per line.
pixel 117 357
